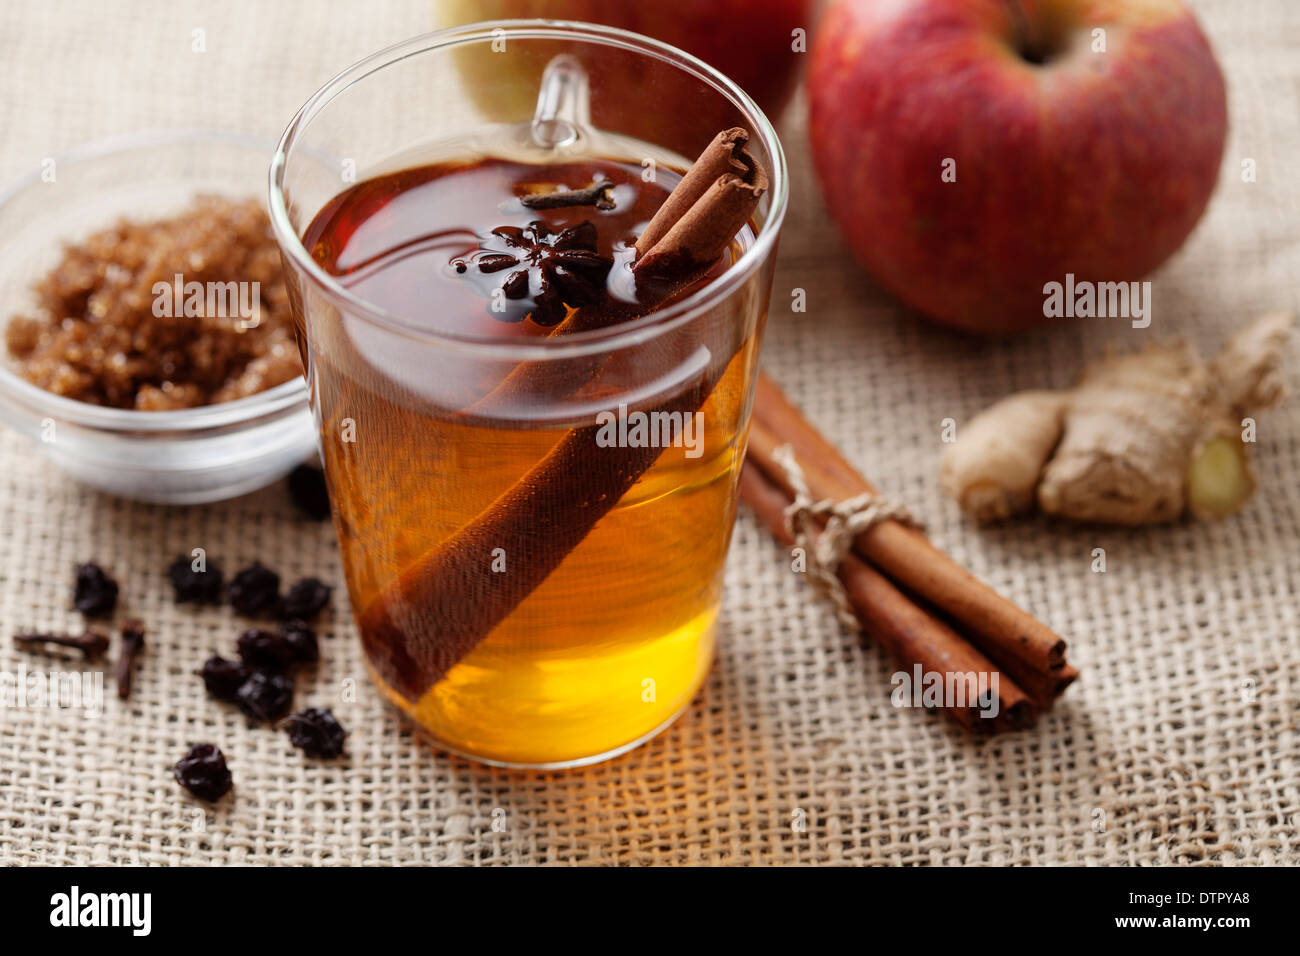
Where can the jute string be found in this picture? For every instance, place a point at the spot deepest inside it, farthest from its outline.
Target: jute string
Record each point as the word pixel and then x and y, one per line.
pixel 844 521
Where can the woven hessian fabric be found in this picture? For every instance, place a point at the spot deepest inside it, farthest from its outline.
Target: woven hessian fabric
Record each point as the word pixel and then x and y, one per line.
pixel 1177 745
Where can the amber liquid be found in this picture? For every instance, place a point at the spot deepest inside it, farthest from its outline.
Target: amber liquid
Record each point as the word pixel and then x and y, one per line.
pixel 618 638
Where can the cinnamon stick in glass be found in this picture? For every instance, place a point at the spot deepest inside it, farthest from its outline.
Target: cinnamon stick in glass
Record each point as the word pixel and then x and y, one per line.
pixel 718 168
pixel 436 611
pixel 694 226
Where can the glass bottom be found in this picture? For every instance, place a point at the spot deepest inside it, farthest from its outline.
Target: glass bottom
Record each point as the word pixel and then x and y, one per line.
pixel 547 723
pixel 561 764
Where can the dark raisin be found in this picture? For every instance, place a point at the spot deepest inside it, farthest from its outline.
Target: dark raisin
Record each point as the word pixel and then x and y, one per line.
pixel 300 637
pixel 265 695
pixel 203 772
pixel 317 733
pixel 95 594
pixel 309 493
pixel 222 676
pixel 197 587
pixel 306 599
pixel 265 650
pixel 255 590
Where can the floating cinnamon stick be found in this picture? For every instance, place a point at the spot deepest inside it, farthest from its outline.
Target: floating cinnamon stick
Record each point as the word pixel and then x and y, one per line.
pixel 901 552
pixel 909 634
pixel 723 168
pixel 441 607
pixel 694 226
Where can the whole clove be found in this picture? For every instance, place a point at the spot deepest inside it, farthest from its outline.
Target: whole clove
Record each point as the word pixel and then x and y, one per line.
pixel 132 645
pixel 92 643
pixel 597 194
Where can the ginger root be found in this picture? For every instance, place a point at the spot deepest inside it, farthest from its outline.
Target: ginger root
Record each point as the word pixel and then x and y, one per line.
pixel 1141 438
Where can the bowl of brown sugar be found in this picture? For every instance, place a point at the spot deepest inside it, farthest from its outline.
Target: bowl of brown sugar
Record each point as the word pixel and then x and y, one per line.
pixel 148 344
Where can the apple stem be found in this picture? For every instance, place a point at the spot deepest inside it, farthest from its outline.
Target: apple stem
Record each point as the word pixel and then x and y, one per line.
pixel 1028 43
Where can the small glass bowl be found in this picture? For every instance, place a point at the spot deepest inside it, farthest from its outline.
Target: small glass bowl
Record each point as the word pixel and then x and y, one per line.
pixel 174 457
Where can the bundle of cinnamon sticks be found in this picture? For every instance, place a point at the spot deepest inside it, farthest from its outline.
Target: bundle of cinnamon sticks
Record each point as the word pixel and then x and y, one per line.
pixel 925 609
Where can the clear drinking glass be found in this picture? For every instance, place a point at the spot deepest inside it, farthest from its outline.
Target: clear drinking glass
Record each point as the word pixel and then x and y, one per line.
pixel 533 587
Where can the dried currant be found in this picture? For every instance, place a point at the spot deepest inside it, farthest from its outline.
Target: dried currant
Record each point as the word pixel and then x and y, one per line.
pixel 317 733
pixel 265 650
pixel 305 599
pixel 203 772
pixel 309 492
pixel 95 593
pixel 223 677
pixel 195 587
pixel 541 271
pixel 302 639
pixel 255 590
pixel 265 695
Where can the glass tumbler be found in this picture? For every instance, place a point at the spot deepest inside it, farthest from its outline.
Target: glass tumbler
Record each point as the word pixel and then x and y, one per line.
pixel 536 584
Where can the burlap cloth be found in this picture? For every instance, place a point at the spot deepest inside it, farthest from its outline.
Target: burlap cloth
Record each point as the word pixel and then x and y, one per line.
pixel 1178 745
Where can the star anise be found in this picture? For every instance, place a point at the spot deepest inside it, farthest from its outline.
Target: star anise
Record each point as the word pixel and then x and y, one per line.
pixel 544 271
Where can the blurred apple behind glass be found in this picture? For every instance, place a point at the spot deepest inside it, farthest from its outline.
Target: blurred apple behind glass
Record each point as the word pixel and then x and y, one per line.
pixel 751 41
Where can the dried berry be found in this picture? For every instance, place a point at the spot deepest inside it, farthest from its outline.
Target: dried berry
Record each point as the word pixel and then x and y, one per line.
pixel 223 677
pixel 302 639
pixel 305 599
pixel 197 587
pixel 92 644
pixel 309 493
pixel 265 650
pixel 543 270
pixel 255 590
pixel 265 695
pixel 317 733
pixel 203 772
pixel 95 594
pixel 132 645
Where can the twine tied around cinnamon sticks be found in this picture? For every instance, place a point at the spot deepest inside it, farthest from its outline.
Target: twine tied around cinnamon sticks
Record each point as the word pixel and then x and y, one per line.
pixel 841 522
pixel 905 593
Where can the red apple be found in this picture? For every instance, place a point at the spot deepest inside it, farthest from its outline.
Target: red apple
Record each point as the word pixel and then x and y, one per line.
pixel 750 41
pixel 1085 137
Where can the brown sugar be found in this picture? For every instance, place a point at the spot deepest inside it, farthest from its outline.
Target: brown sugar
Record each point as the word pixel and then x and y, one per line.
pixel 174 313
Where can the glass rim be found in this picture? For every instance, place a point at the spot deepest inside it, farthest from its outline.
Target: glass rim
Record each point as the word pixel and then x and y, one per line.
pixel 619 336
